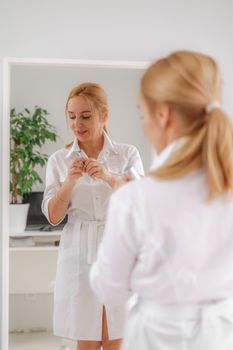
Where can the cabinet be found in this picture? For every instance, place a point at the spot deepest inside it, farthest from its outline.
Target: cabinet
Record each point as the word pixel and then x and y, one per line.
pixel 32 274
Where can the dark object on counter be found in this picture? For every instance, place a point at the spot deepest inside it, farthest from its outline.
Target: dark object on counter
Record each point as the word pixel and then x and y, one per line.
pixel 46 228
pixel 36 221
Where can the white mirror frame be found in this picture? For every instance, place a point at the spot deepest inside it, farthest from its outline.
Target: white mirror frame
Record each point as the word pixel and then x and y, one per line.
pixel 7 63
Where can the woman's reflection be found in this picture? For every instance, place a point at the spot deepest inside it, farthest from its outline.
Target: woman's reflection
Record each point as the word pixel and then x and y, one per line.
pixel 79 181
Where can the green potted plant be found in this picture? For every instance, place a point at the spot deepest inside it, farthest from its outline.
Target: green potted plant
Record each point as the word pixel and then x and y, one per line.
pixel 28 132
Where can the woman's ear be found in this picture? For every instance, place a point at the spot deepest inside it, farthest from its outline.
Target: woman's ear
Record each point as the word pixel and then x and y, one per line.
pixel 104 117
pixel 163 115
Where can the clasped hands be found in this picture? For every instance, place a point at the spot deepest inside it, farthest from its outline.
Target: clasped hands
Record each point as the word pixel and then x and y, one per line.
pixel 95 169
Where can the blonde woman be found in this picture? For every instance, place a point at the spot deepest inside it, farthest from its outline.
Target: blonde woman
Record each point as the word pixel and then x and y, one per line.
pixel 169 236
pixel 80 180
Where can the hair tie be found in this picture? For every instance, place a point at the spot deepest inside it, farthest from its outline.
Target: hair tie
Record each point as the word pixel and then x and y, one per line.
pixel 211 106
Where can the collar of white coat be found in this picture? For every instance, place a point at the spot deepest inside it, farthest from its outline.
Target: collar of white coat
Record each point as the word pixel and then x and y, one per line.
pixel 108 145
pixel 163 156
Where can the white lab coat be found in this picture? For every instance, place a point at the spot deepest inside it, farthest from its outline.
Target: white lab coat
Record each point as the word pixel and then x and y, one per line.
pixel 195 327
pixel 77 311
pixel 174 250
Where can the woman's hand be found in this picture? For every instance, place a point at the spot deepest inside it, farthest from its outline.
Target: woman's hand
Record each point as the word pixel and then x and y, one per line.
pixel 76 170
pixel 59 204
pixel 96 170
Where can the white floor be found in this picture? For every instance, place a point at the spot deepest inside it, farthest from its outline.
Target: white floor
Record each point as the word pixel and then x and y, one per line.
pixel 38 341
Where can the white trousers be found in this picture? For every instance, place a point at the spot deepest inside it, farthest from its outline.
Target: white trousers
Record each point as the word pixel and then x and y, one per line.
pixel 171 327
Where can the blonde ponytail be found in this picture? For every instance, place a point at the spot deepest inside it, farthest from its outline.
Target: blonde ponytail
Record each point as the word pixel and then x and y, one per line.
pixel 218 153
pixel 210 148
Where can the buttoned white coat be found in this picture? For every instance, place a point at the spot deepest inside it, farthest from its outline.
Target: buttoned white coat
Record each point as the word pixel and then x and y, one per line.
pixel 77 311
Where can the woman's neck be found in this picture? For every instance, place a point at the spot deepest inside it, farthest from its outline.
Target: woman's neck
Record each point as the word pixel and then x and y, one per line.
pixel 94 147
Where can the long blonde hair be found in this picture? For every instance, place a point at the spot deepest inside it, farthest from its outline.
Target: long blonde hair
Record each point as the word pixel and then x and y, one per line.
pixel 189 82
pixel 94 94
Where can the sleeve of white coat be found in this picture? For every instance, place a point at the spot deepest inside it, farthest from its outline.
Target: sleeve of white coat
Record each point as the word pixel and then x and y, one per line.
pixel 52 186
pixel 135 161
pixel 111 274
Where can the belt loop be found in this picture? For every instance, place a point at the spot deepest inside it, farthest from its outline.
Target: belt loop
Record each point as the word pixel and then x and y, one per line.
pixel 91 241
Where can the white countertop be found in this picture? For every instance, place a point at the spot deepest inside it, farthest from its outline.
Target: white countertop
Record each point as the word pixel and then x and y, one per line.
pixel 36 233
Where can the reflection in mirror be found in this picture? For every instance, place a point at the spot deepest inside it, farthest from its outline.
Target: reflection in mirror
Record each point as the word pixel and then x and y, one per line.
pixel 33 253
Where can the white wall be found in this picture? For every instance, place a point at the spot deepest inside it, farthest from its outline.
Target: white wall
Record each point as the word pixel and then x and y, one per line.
pixel 120 30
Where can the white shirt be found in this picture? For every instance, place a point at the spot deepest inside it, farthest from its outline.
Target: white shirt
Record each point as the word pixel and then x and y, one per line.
pixel 165 242
pixel 77 312
pixel 116 157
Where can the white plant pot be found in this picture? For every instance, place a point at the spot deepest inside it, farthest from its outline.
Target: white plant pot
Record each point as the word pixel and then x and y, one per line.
pixel 18 218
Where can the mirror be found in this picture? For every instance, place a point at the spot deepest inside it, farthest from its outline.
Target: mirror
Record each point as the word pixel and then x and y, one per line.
pixel 33 255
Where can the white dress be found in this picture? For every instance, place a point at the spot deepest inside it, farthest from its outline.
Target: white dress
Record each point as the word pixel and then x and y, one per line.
pixel 174 250
pixel 77 311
